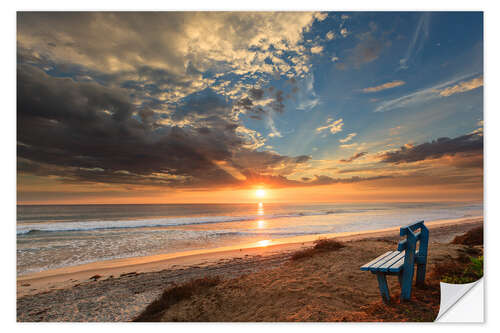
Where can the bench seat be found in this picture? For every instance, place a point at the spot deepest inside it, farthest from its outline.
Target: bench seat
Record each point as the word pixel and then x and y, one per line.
pixel 390 262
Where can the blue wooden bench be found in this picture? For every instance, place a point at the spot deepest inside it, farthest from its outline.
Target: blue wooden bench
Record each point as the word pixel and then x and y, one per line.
pixel 402 262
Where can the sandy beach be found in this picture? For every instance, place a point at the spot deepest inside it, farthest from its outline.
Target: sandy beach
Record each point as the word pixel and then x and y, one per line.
pixel 118 290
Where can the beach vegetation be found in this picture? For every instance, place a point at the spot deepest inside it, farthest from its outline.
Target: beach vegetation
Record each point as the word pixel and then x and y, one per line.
pixel 320 245
pixel 173 295
pixel 460 271
pixel 472 272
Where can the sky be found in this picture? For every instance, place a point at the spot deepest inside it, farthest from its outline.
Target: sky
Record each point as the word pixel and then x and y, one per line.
pixel 171 107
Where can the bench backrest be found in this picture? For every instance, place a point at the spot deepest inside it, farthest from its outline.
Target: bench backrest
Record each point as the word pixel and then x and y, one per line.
pixel 416 232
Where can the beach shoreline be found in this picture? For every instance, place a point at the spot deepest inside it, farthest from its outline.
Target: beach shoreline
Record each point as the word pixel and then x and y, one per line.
pixel 65 277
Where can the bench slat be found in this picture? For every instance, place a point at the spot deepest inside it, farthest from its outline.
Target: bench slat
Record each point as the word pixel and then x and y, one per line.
pixel 375 267
pixel 397 266
pixel 366 266
pixel 385 267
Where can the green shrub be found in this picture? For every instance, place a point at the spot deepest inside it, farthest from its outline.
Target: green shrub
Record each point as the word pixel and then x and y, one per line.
pixel 471 273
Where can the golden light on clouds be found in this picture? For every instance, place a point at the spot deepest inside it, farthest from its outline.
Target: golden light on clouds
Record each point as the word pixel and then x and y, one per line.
pixel 384 86
pixel 462 87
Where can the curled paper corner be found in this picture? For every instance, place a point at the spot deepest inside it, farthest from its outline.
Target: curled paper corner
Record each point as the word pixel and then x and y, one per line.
pixel 461 302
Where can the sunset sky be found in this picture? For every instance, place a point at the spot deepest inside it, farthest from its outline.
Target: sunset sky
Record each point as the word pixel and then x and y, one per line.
pixel 209 107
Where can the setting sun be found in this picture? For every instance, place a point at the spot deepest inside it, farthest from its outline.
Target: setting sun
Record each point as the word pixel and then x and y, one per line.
pixel 260 193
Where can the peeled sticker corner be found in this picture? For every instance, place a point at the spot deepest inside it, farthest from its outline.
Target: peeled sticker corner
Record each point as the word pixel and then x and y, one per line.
pixel 462 303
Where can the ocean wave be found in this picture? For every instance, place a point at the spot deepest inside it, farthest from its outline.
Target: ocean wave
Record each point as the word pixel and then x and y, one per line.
pixel 31 229
pixel 269 232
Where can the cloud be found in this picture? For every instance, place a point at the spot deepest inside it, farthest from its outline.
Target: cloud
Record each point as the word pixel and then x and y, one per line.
pixel 162 39
pixel 418 40
pixel 316 49
pixel 353 157
pixel 260 102
pixel 334 126
pixel 350 145
pixel 320 16
pixel 367 51
pixel 167 55
pixel 384 86
pixel 335 58
pixel 462 87
pixel 316 180
pixel 330 35
pixel 469 143
pixel 479 130
pixel 348 138
pixel 307 95
pixel 426 94
pixel 344 32
pixel 274 131
pixel 83 132
pixel 327 180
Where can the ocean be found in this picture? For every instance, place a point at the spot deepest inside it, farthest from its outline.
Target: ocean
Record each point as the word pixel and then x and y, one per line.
pixel 54 236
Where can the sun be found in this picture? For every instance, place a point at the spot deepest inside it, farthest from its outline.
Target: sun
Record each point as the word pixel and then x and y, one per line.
pixel 260 193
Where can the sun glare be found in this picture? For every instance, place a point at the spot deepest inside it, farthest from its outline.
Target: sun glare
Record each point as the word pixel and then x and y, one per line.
pixel 260 193
pixel 264 243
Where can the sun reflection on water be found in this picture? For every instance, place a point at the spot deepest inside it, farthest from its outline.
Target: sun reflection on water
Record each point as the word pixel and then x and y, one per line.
pixel 264 242
pixel 260 209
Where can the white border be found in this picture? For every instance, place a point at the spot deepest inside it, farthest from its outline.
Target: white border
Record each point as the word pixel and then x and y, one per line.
pixel 8 133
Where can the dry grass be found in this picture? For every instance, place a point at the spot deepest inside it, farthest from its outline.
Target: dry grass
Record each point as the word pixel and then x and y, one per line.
pixel 320 245
pixel 422 307
pixel 173 295
pixel 471 238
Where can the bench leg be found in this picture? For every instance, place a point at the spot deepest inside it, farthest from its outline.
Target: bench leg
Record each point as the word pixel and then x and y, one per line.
pixel 384 289
pixel 406 281
pixel 400 279
pixel 421 274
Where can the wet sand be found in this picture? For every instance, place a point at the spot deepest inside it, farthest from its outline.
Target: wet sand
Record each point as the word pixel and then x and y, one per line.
pixel 118 290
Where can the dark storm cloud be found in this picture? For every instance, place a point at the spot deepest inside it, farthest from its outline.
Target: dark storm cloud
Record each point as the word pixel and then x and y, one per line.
pixel 469 143
pixel 82 131
pixel 353 157
pixel 204 107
